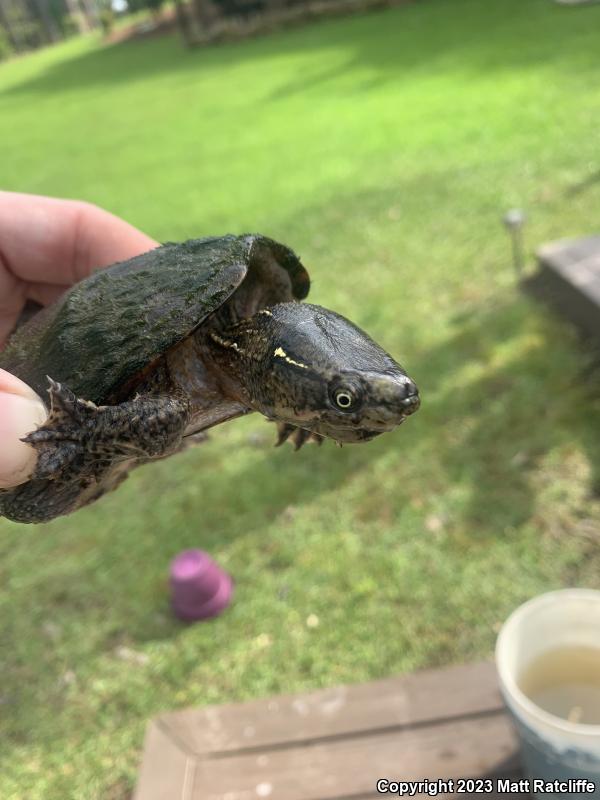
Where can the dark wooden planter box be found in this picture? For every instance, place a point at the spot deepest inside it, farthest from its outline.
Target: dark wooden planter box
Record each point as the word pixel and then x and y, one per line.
pixel 569 280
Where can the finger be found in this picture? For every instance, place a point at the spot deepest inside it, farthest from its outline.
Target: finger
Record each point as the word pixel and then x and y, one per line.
pixel 12 300
pixel 45 293
pixel 47 240
pixel 21 411
pixel 42 293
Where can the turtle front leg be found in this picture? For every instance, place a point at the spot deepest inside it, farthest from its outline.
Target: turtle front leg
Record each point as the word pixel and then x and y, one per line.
pixel 80 438
pixel 298 436
pixel 86 450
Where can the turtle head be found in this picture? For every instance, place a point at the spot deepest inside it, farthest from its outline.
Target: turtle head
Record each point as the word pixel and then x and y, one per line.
pixel 309 367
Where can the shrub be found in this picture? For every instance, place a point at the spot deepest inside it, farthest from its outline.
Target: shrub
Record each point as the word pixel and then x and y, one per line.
pixel 155 6
pixel 70 25
pixel 5 45
pixel 107 19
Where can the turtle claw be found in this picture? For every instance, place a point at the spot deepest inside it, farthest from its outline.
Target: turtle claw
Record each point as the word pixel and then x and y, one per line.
pixel 284 431
pixel 298 436
pixel 57 440
pixel 65 406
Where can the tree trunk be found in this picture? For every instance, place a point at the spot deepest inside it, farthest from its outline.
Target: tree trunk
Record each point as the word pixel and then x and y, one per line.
pixel 203 18
pixel 5 23
pixel 183 22
pixel 77 15
pixel 90 13
pixel 47 21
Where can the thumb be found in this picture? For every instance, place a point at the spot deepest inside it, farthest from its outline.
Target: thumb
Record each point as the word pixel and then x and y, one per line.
pixel 21 411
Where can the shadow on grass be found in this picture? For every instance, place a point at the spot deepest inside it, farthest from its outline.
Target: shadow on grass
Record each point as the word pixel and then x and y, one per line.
pixel 395 44
pixel 534 403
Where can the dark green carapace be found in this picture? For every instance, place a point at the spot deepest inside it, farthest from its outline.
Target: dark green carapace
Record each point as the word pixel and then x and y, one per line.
pixel 139 359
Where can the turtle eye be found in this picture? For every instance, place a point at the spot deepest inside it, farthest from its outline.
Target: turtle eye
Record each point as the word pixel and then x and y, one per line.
pixel 343 399
pixel 346 395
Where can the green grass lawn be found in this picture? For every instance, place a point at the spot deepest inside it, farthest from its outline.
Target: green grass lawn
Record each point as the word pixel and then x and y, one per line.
pixel 384 149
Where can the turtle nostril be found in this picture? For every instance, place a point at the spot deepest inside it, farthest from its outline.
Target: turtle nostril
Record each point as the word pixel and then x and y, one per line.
pixel 411 397
pixel 409 392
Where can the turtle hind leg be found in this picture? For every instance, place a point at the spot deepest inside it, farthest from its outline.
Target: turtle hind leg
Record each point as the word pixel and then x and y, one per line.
pixel 41 500
pixel 85 450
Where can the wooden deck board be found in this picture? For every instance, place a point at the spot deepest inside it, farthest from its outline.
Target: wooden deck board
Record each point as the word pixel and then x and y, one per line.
pixel 333 744
pixel 391 702
pixel 569 279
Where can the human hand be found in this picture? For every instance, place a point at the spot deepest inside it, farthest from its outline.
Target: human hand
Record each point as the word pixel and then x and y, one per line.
pixel 46 245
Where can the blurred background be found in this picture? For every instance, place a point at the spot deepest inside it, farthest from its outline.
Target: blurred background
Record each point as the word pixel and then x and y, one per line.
pixel 384 146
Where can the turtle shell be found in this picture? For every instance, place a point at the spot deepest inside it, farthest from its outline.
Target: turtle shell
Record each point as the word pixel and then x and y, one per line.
pixel 109 327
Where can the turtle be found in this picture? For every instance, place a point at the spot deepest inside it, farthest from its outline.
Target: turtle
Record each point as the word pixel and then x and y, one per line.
pixel 142 358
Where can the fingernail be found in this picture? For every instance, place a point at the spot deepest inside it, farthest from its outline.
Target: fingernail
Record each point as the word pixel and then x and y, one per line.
pixel 19 415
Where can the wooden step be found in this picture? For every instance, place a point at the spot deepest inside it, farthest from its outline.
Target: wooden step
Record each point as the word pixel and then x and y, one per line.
pixel 334 744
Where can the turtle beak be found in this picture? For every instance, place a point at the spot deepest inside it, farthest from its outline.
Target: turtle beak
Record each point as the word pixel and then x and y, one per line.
pixel 405 396
pixel 394 398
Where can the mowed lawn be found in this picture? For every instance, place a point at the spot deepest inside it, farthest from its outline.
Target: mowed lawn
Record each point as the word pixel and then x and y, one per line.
pixel 384 149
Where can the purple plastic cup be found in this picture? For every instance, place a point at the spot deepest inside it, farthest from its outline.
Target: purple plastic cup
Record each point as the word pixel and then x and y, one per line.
pixel 200 589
